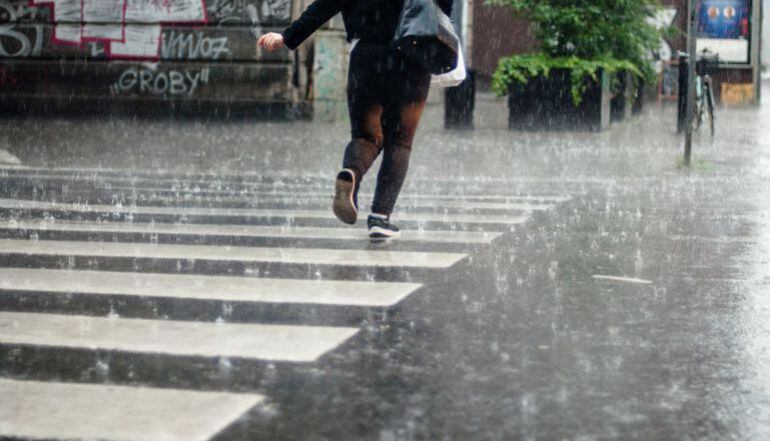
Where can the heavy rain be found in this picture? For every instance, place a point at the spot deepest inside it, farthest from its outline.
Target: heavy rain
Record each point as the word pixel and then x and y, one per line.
pixel 580 249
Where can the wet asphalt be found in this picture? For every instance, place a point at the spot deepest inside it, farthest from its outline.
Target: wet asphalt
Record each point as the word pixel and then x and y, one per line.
pixel 636 310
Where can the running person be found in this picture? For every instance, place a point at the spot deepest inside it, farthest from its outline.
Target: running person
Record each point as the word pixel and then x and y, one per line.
pixel 386 97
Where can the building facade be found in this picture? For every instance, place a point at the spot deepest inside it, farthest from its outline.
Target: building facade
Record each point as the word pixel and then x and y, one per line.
pixel 178 53
pixel 496 34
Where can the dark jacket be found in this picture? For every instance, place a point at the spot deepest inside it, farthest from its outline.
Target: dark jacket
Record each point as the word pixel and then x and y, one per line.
pixel 367 20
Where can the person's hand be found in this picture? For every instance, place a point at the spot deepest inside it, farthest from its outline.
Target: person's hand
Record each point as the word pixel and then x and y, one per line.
pixel 271 41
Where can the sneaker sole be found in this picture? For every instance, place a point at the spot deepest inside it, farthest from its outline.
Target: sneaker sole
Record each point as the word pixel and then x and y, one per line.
pixel 382 233
pixel 343 206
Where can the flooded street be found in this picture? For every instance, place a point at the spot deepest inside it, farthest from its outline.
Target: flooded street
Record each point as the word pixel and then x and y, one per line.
pixel 548 285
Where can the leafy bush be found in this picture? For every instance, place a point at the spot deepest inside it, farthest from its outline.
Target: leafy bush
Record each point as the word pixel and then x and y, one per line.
pixel 584 35
pixel 521 68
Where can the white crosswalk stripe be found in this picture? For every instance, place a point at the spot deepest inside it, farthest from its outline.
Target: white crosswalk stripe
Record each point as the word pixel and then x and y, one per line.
pixel 50 409
pixel 243 178
pixel 521 203
pixel 232 289
pixel 249 212
pixel 314 193
pixel 322 189
pixel 181 338
pixel 310 256
pixel 469 237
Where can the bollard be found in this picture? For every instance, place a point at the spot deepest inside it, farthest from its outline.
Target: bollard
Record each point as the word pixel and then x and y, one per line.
pixel 459 104
pixel 681 114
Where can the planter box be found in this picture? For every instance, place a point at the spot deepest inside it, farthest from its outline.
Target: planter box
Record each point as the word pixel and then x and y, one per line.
pixel 545 103
pixel 641 97
pixel 459 103
pixel 622 103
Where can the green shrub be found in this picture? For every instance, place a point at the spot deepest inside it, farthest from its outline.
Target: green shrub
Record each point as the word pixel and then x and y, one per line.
pixel 521 68
pixel 584 35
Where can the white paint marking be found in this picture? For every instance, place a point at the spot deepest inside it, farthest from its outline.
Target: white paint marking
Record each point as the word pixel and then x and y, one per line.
pixel 229 289
pixel 274 194
pixel 246 231
pixel 246 212
pixel 7 157
pixel 175 338
pixel 143 183
pixel 622 279
pixel 249 188
pixel 38 410
pixel 310 256
pixel 290 175
pixel 721 239
pixel 407 204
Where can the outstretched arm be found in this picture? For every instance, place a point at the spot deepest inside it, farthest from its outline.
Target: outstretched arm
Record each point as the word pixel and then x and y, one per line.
pixel 318 13
pixel 446 6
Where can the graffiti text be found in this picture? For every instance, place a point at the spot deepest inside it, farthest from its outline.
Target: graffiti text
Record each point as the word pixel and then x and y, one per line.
pixel 145 81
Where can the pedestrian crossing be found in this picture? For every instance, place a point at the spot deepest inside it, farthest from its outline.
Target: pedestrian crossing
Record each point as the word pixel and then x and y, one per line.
pixel 408 203
pixel 180 338
pixel 222 179
pixel 63 261
pixel 53 410
pixel 197 287
pixel 17 204
pixel 309 256
pixel 477 201
pixel 283 231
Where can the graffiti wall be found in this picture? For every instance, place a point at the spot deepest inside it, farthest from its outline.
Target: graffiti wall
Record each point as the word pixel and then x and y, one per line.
pixel 172 49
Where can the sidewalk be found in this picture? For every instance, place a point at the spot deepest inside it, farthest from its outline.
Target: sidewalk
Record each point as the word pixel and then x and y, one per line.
pixel 314 148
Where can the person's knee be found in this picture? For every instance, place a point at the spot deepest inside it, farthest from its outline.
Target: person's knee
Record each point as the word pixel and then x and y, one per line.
pixel 398 153
pixel 376 139
pixel 371 128
pixel 372 143
pixel 361 153
pixel 402 141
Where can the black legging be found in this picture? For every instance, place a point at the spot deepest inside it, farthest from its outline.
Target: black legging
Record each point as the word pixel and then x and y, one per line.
pixel 386 96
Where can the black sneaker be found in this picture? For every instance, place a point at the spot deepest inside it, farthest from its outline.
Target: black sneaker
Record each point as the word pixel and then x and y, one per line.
pixel 380 228
pixel 345 205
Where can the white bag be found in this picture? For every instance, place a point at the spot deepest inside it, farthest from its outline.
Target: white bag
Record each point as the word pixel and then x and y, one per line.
pixel 452 78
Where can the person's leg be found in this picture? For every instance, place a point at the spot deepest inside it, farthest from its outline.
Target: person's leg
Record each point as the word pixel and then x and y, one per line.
pixel 400 120
pixel 365 109
pixel 365 106
pixel 366 140
pixel 360 154
pixel 401 117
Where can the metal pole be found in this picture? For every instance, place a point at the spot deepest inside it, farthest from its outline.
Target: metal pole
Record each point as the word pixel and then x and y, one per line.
pixel 691 92
pixel 757 23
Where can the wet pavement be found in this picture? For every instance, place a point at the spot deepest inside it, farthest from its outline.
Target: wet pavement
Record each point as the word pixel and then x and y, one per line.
pixel 550 286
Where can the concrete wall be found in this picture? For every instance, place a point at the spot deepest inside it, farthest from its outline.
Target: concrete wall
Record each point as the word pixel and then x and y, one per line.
pixel 182 52
pixel 331 55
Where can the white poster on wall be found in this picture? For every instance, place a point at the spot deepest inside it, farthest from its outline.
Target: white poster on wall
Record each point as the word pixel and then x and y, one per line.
pixel 724 28
pixel 730 51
